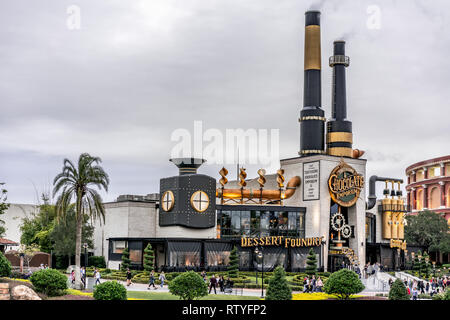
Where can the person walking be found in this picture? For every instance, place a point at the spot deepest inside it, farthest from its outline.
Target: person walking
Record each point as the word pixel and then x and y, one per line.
pixel 129 276
pixel 319 284
pixel 152 281
pixel 203 274
pixel 162 278
pixel 221 283
pixel 97 276
pixel 212 284
pixel 415 293
pixel 83 276
pixel 313 284
pixel 365 270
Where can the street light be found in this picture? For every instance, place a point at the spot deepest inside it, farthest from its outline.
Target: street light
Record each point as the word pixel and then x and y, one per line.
pixel 85 246
pixel 260 256
pixel 427 258
pixel 434 269
pixel 420 264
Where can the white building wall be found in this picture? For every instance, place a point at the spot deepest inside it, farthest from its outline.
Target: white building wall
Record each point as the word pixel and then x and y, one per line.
pixel 13 219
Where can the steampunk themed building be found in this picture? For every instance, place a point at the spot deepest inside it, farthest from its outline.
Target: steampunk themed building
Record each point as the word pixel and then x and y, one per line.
pixel 195 221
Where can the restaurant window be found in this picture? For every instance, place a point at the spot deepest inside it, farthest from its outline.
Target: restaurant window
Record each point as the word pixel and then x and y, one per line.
pixel 119 246
pixel 226 223
pixel 218 254
pixel 293 224
pixel 273 223
pixel 236 223
pixel 245 223
pixel 282 223
pixel 183 254
pixel 254 223
pixel 265 223
pixel 301 224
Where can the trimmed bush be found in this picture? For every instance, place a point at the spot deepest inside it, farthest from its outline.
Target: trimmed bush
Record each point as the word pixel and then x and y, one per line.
pixel 97 261
pixel 110 290
pixel 311 263
pixel 49 281
pixel 149 258
pixel 343 284
pixel 233 268
pixel 188 286
pixel 446 295
pixel 5 266
pixel 398 291
pixel 278 287
pixel 126 262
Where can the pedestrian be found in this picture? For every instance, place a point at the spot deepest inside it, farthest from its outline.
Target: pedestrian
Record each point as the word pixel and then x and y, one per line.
pixel 212 284
pixel 72 276
pixel 221 283
pixel 319 284
pixel 203 274
pixel 97 276
pixel 162 278
pixel 421 287
pixel 427 287
pixel 46 266
pixel 409 291
pixel 152 280
pixel 415 294
pixel 390 282
pixel 306 285
pixel 365 270
pixel 41 266
pixel 128 277
pixel 83 276
pixel 313 284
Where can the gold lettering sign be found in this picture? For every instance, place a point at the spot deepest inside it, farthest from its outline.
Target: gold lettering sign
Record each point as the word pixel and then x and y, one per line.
pixel 398 244
pixel 345 184
pixel 281 241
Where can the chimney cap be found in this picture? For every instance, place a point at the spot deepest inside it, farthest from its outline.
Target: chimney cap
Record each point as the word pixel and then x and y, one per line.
pixel 187 165
pixel 312 11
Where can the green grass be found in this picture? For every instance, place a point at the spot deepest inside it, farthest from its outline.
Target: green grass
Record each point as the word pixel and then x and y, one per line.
pixel 168 296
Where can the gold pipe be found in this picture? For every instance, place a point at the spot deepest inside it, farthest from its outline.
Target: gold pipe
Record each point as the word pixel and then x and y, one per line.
pixel 291 187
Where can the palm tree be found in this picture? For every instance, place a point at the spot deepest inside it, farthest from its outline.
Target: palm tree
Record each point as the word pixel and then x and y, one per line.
pixel 75 183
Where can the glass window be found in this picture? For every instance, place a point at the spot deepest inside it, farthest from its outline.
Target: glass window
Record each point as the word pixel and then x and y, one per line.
pixel 218 258
pixel 283 223
pixel 119 246
pixel 136 256
pixel 244 259
pixel 273 223
pixel 255 223
pixel 301 224
pixel 245 223
pixel 265 223
pixel 236 222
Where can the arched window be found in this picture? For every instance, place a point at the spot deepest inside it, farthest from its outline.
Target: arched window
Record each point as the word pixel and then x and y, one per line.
pixel 435 198
pixel 419 199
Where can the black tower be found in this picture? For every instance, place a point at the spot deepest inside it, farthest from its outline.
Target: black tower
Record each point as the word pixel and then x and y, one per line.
pixel 188 199
pixel 312 117
pixel 339 129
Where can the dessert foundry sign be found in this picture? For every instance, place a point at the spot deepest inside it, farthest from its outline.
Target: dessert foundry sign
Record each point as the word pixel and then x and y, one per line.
pixel 345 185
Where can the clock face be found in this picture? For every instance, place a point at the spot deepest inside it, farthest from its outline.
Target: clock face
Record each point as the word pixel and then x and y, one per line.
pixel 168 200
pixel 199 201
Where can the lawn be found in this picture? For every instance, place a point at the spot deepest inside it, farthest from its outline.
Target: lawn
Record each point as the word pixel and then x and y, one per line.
pixel 142 295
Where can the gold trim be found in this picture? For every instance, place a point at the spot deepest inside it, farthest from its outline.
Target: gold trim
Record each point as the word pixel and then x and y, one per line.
pixel 171 204
pixel 311 151
pixel 340 151
pixel 339 137
pixel 312 118
pixel 312 48
pixel 192 201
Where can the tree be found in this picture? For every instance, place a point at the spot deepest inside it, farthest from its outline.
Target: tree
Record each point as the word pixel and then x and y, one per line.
pixel 63 234
pixel 428 229
pixel 343 284
pixel 5 266
pixel 233 268
pixel 416 265
pixel 278 287
pixel 3 207
pixel 74 182
pixel 126 262
pixel 398 291
pixel 149 258
pixel 37 228
pixel 425 266
pixel 311 263
pixel 188 286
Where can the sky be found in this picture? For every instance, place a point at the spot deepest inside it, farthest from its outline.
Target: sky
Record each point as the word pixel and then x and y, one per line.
pixel 117 78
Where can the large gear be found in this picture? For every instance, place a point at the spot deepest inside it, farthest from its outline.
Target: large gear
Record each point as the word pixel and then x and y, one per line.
pixel 337 221
pixel 346 231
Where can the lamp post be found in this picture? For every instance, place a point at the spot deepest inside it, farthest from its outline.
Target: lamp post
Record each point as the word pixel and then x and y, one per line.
pixel 434 269
pixel 420 264
pixel 85 246
pixel 260 256
pixel 427 258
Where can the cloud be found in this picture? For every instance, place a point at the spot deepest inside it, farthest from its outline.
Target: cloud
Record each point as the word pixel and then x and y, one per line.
pixel 137 70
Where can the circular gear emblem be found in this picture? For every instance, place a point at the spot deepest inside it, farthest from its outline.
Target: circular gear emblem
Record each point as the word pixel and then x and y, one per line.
pixel 337 221
pixel 346 231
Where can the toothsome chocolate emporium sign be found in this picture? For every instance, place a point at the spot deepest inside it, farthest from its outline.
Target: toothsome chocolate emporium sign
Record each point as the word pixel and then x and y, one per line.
pixel 345 184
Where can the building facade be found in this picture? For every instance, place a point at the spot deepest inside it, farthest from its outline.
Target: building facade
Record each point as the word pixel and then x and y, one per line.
pixel 429 186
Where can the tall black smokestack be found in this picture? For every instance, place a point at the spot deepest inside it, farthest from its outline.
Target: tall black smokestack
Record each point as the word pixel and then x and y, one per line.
pixel 312 117
pixel 339 129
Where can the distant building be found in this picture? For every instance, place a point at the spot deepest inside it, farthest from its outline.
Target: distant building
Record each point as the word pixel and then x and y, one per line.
pixel 13 219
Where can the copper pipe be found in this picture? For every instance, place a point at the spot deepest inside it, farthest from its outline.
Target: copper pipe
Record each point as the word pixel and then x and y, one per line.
pixel 356 153
pixel 291 187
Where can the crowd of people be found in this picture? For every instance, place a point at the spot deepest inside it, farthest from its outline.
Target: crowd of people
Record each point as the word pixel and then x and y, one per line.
pixel 225 286
pixel 311 284
pixel 431 287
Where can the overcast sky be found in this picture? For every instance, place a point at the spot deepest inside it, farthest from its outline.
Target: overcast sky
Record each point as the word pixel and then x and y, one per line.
pixel 137 70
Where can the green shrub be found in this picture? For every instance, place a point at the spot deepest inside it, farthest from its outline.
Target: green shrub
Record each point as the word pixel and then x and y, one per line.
pixel 110 290
pixel 97 261
pixel 5 266
pixel 149 258
pixel 311 263
pixel 49 281
pixel 398 291
pixel 188 286
pixel 438 296
pixel 233 268
pixel 126 262
pixel 422 296
pixel 446 295
pixel 343 284
pixel 278 287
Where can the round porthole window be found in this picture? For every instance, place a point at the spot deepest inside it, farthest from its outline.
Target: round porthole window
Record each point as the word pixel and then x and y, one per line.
pixel 167 201
pixel 200 201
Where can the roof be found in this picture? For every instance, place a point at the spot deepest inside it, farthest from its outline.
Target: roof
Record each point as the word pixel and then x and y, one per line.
pixel 4 241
